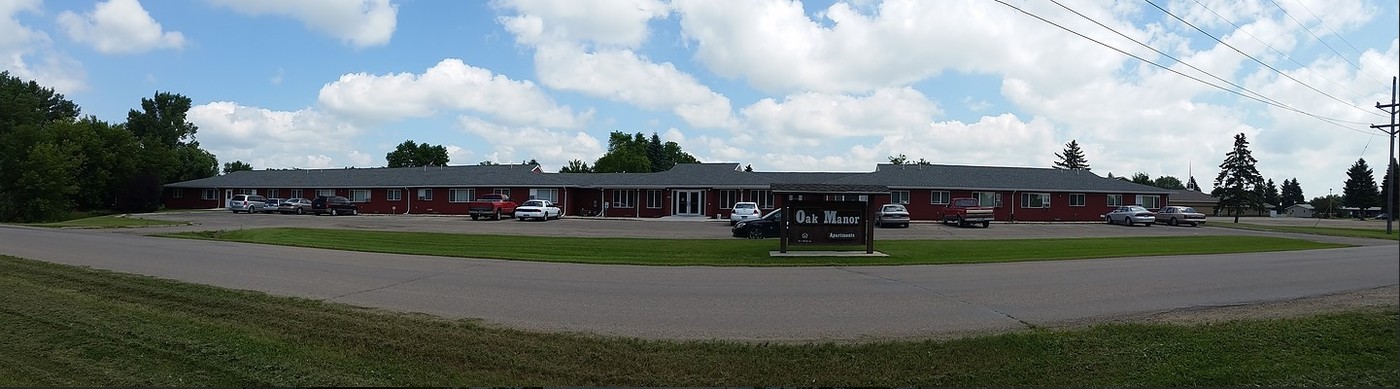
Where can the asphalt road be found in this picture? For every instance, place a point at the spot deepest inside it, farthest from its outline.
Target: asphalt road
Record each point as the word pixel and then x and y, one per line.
pixel 781 304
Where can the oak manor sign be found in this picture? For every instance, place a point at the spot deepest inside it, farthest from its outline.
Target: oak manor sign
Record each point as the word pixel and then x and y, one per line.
pixel 828 214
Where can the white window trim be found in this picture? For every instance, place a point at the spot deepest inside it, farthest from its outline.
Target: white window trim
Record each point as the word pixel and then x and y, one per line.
pixel 366 192
pixel 1083 199
pixel 933 196
pixel 393 195
pixel 902 198
pixel 1108 200
pixel 727 198
pixel 452 194
pixel 764 198
pixel 209 194
pixel 660 198
pixel 425 194
pixel 1156 200
pixel 1044 200
pixel 325 192
pixel 274 192
pixel 296 193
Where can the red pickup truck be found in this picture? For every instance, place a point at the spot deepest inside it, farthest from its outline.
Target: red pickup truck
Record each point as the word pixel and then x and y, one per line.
pixel 965 211
pixel 491 205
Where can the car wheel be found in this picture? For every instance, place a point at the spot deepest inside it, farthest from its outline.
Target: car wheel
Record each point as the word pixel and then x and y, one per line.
pixel 1194 224
pixel 879 223
pixel 475 217
pixel 497 216
pixel 1172 222
pixel 354 212
pixel 986 224
pixel 755 233
pixel 1128 220
pixel 301 211
pixel 335 212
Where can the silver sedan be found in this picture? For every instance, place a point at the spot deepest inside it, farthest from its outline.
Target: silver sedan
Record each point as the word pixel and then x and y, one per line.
pixel 1131 214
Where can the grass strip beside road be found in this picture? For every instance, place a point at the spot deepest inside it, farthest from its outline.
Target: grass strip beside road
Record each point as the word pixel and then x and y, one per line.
pixel 72 326
pixel 111 221
pixel 1371 233
pixel 743 252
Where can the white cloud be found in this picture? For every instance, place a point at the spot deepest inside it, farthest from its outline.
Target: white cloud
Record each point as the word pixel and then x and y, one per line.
pixel 451 84
pixel 777 47
pixel 551 148
pixel 119 27
pixel 360 23
pixel 812 118
pixel 604 22
pixel 277 139
pixel 620 75
pixel 28 54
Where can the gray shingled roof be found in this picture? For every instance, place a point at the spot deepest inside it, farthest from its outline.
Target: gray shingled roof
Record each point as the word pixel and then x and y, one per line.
pixel 1191 196
pixel 701 175
pixel 994 177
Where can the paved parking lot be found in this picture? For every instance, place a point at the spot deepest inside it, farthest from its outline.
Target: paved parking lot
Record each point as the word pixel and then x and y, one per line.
pixel 678 228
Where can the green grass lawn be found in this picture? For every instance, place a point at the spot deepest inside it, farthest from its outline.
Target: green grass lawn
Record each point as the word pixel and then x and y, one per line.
pixel 1371 232
pixel 743 252
pixel 71 326
pixel 111 221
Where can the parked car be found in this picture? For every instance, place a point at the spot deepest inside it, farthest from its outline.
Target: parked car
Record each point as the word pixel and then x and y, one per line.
pixel 271 205
pixel 537 209
pixel 744 211
pixel 1174 215
pixel 892 215
pixel 491 205
pixel 334 205
pixel 764 227
pixel 1130 214
pixel 967 211
pixel 247 203
pixel 294 205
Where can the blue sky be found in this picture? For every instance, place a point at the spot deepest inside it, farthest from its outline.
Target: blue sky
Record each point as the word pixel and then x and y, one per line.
pixel 780 85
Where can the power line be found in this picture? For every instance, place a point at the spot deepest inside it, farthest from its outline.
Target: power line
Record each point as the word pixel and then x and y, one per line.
pixel 1324 43
pixel 1256 60
pixel 1276 51
pixel 1337 34
pixel 1332 121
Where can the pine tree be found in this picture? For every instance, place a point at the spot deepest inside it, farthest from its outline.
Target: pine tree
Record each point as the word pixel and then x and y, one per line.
pixel 1388 186
pixel 1239 180
pixel 1072 158
pixel 1292 193
pixel 1359 190
pixel 1271 195
pixel 1191 184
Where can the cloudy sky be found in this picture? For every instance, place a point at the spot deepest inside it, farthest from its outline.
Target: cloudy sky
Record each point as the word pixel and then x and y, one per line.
pixel 782 85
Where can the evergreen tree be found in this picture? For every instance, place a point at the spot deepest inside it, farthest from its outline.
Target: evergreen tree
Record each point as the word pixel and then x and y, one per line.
pixel 1239 180
pixel 1388 186
pixel 1271 195
pixel 748 168
pixel 1191 184
pixel 1359 190
pixel 1291 193
pixel 898 159
pixel 1072 158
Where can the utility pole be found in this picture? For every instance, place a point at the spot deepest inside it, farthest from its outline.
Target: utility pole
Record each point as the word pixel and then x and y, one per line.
pixel 1391 129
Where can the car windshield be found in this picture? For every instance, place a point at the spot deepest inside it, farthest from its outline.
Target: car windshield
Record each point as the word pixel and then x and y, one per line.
pixel 965 203
pixel 745 206
pixel 1187 210
pixel 894 208
pixel 534 203
pixel 1137 209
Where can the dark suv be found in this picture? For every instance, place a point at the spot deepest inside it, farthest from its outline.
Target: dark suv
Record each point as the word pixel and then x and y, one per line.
pixel 334 205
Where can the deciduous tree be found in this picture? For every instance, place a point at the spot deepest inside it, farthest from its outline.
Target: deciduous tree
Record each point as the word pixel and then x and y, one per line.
pixel 236 166
pixel 412 154
pixel 1168 182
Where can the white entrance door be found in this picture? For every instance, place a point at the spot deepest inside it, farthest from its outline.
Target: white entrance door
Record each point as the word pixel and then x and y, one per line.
pixel 688 202
pixel 228 196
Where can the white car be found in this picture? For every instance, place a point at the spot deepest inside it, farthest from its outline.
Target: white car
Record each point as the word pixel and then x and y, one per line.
pixel 537 209
pixel 744 211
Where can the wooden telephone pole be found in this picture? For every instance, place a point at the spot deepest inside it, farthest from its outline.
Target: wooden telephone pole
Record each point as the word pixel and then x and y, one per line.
pixel 1391 129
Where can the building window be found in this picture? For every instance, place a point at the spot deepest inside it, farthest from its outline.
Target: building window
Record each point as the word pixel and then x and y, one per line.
pixel 623 198
pixel 325 192
pixel 987 199
pixel 1149 202
pixel 845 197
pixel 654 199
pixel 425 194
pixel 764 198
pixel 1035 200
pixel 296 193
pixel 359 195
pixel 273 193
pixel 178 193
pixel 245 191
pixel 938 197
pixel 551 195
pixel 460 195
pixel 502 191
pixel 727 198
pixel 210 194
pixel 1076 200
pixel 899 197
pixel 393 195
pixel 1115 200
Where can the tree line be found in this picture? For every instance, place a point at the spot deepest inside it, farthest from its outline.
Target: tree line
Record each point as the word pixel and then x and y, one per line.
pixel 1240 187
pixel 54 161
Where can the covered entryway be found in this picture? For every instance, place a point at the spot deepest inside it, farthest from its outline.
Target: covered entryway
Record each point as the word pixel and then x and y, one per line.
pixel 688 202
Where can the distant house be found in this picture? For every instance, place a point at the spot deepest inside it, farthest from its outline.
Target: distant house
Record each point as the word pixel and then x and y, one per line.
pixel 1202 202
pixel 1299 210
pixel 1362 213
